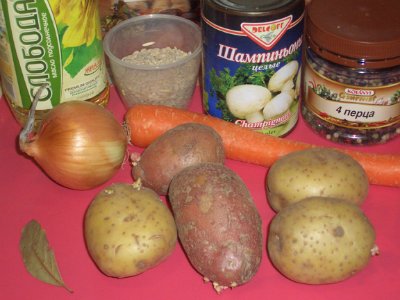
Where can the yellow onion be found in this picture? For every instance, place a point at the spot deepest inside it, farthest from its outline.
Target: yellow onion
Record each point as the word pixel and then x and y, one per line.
pixel 79 144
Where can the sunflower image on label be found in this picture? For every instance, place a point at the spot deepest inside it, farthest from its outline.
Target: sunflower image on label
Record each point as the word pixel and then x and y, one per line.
pixel 53 42
pixel 252 63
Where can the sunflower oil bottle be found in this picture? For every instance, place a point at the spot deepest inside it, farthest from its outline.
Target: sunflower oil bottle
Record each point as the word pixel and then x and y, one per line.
pixel 53 42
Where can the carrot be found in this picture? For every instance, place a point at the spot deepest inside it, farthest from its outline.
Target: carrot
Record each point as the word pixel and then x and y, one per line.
pixel 147 122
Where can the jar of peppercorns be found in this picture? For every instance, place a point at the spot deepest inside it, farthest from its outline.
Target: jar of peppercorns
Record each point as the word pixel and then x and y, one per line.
pixel 351 76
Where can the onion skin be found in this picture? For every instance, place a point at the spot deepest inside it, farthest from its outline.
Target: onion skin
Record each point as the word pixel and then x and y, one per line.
pixel 79 145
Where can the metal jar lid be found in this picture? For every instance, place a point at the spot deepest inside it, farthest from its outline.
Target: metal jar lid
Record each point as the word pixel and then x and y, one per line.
pixel 219 11
pixel 251 6
pixel 355 33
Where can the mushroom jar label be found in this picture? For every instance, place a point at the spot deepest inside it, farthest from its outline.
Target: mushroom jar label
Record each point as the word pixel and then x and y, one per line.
pixel 351 106
pixel 251 68
pixel 57 43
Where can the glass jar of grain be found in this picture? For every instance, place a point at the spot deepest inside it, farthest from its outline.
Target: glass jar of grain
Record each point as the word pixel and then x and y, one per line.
pixel 351 85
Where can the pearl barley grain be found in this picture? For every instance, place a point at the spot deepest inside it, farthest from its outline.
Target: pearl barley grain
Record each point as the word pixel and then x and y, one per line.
pixel 156 80
pixel 155 56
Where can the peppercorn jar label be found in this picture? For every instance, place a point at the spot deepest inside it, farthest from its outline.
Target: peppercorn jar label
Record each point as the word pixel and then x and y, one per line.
pixel 251 67
pixel 57 43
pixel 351 106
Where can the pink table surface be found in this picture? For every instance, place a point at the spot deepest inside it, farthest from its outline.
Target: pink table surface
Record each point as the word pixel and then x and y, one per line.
pixel 27 193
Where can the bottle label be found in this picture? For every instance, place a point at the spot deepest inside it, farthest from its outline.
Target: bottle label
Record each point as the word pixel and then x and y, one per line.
pixel 57 42
pixel 241 52
pixel 351 106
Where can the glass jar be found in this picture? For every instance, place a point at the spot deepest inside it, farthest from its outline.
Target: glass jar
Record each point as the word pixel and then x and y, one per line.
pixel 351 79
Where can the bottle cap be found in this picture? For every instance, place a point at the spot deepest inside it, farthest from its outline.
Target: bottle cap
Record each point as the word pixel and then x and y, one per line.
pixel 355 33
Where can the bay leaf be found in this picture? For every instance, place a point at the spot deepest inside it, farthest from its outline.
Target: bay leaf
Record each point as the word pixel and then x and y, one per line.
pixel 38 257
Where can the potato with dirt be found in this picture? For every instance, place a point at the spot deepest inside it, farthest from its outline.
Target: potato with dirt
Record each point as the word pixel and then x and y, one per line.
pixel 324 172
pixel 128 230
pixel 176 149
pixel 218 224
pixel 321 240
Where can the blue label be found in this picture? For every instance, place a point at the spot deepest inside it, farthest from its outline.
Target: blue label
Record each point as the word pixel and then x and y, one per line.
pixel 251 74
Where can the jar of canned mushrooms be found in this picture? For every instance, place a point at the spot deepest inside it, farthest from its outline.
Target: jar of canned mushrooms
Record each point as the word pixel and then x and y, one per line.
pixel 252 55
pixel 351 79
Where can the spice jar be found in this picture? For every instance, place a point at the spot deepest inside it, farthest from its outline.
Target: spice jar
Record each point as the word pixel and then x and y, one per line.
pixel 351 80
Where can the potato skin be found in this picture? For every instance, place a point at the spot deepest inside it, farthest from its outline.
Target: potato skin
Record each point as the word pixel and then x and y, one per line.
pixel 315 172
pixel 128 231
pixel 320 240
pixel 176 149
pixel 218 224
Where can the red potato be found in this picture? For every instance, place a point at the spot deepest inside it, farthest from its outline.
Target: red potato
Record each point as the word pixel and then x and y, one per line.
pixel 218 224
pixel 176 149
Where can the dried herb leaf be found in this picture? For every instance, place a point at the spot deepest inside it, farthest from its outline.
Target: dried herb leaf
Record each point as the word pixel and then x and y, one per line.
pixel 37 255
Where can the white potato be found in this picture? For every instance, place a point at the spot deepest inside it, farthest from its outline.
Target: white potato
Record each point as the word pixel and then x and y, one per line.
pixel 321 240
pixel 128 230
pixel 320 172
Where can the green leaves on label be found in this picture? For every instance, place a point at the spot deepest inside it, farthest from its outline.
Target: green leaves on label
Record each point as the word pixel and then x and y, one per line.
pixel 38 257
pixel 79 57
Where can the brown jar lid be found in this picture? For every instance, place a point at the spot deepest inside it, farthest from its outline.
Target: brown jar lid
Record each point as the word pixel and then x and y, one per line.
pixel 355 33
